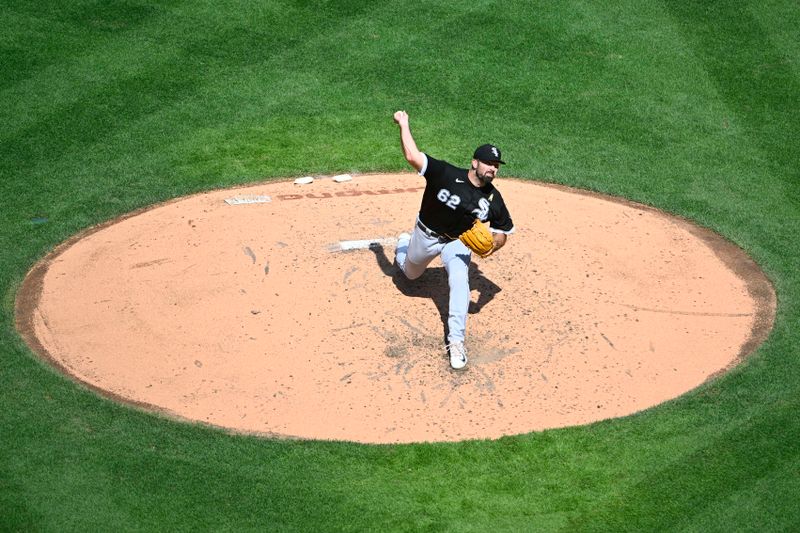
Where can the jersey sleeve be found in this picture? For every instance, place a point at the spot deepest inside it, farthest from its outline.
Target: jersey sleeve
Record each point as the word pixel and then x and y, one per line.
pixel 432 167
pixel 500 220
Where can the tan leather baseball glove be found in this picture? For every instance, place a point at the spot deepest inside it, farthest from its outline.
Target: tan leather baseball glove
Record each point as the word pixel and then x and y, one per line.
pixel 478 238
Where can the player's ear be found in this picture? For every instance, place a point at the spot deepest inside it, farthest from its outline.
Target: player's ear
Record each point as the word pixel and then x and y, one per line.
pixel 474 164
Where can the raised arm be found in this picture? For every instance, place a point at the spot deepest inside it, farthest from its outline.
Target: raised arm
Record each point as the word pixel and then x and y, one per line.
pixel 410 150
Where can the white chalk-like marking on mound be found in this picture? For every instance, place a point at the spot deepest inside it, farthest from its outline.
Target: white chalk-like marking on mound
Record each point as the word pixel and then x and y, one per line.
pixel 248 199
pixel 344 246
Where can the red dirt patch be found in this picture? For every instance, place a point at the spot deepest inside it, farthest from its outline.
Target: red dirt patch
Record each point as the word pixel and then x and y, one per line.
pixel 247 317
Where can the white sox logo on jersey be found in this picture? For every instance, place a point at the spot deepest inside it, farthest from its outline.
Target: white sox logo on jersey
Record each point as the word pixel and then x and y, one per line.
pixel 482 212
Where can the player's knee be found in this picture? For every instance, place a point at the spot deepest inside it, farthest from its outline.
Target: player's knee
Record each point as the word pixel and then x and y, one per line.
pixel 412 270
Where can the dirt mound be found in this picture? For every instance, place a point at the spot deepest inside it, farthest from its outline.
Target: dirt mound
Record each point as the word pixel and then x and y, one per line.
pixel 276 309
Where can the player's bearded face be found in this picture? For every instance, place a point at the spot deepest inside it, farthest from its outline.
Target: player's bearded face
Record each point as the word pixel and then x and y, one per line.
pixel 485 171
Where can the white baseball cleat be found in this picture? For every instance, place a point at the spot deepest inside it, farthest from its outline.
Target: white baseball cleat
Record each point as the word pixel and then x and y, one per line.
pixel 401 250
pixel 458 355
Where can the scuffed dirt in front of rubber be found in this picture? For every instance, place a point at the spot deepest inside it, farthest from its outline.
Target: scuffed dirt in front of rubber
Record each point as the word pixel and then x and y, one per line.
pixel 250 317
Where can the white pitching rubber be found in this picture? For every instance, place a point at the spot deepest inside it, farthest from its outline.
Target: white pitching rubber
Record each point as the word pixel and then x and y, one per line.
pixel 345 246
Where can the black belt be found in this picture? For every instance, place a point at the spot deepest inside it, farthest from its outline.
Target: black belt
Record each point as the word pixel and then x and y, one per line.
pixel 433 234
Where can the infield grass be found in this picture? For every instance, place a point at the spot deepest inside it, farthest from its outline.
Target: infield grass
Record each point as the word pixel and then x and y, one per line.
pixel 687 106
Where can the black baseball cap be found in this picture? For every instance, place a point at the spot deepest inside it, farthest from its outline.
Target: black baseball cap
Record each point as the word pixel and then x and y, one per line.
pixel 488 152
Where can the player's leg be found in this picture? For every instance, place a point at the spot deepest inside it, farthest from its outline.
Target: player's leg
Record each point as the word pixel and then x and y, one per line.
pixel 456 258
pixel 415 252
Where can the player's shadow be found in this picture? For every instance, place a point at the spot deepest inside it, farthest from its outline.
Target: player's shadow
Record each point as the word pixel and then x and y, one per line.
pixel 433 284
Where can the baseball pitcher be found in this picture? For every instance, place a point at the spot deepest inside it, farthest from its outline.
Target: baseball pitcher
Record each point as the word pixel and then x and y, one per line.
pixel 452 222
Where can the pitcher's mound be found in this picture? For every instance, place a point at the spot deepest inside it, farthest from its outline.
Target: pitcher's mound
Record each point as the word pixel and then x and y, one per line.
pixel 276 309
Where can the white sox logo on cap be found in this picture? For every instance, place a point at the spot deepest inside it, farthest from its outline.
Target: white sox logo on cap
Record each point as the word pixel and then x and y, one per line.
pixel 488 152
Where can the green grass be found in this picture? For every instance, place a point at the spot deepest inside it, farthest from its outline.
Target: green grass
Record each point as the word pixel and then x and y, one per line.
pixel 688 106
